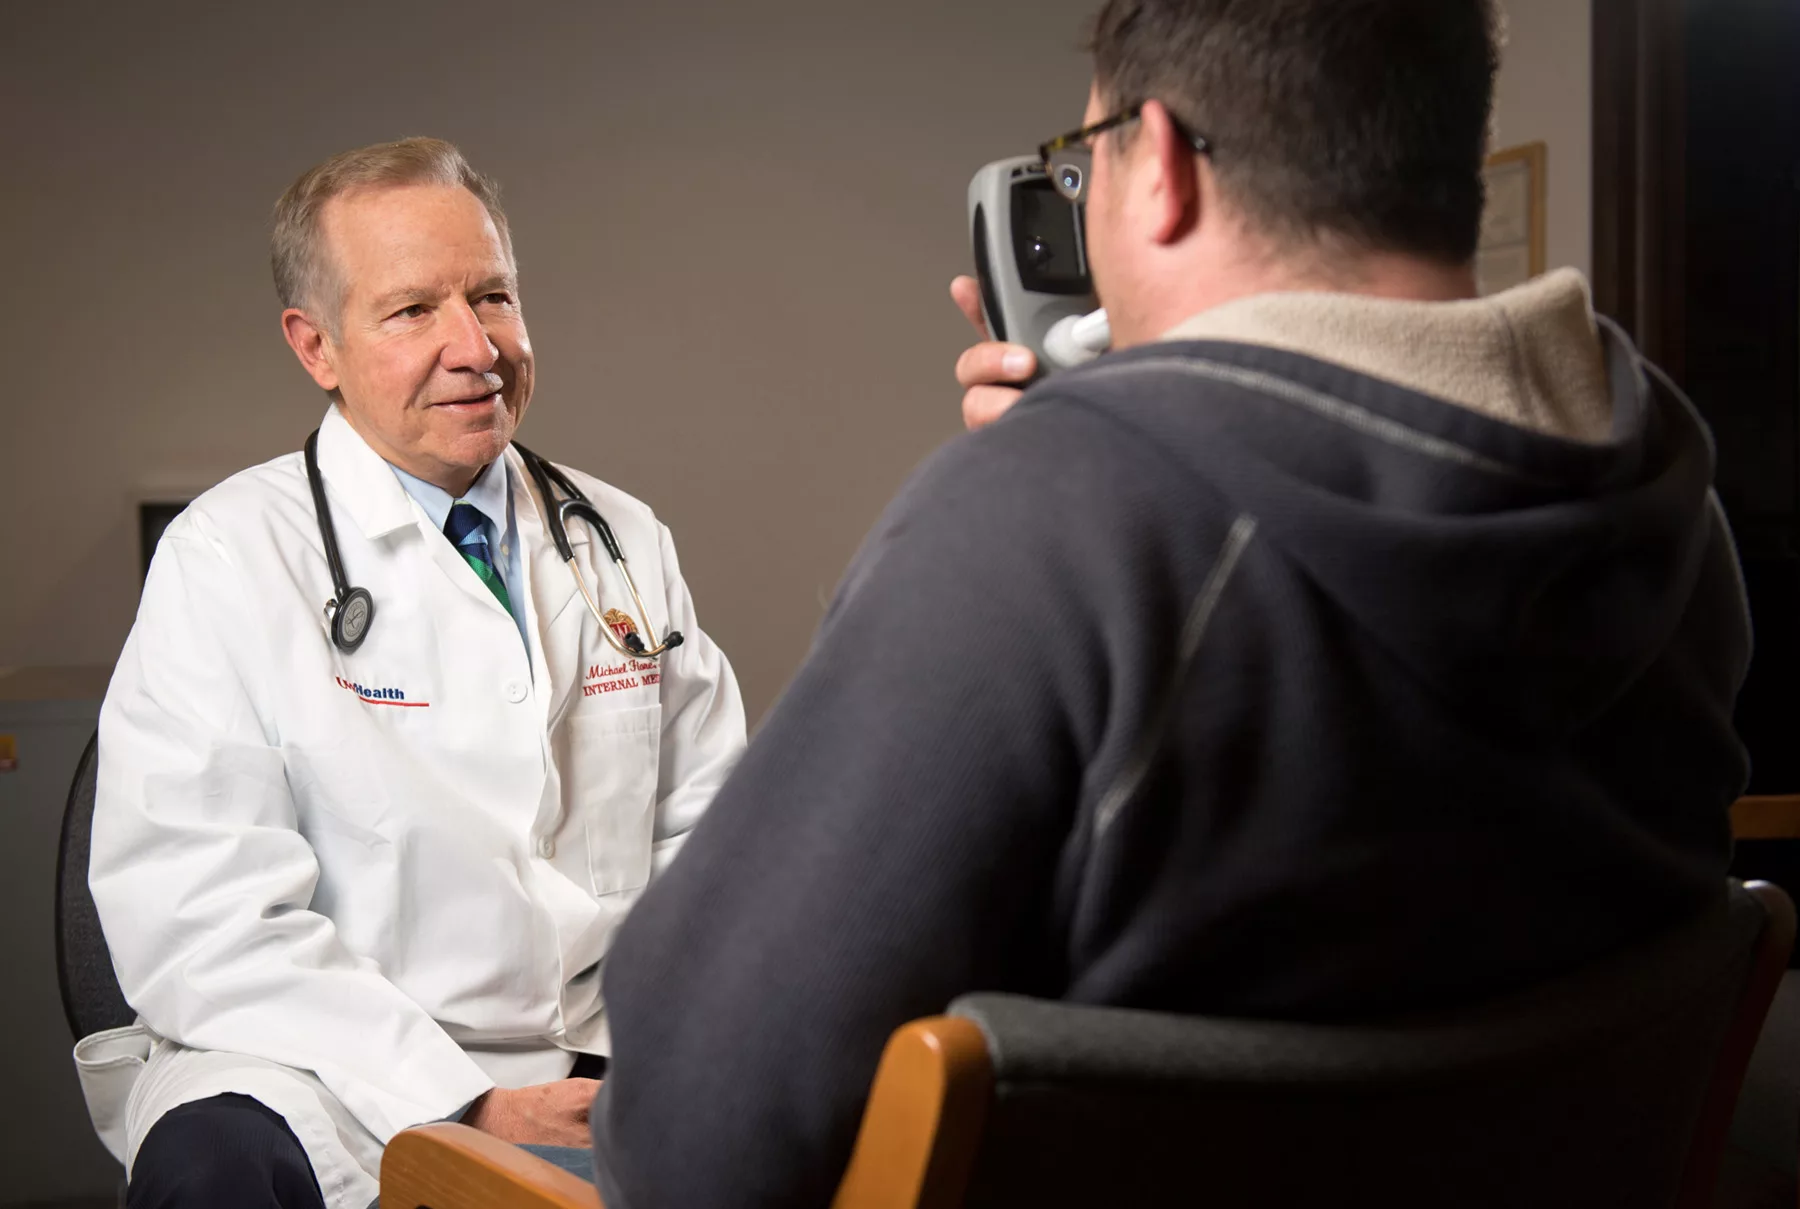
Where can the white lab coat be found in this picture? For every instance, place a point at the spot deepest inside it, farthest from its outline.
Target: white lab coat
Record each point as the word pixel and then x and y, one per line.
pixel 391 875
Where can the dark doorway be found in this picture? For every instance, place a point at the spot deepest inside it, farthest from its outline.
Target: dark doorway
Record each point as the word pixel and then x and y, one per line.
pixel 1697 253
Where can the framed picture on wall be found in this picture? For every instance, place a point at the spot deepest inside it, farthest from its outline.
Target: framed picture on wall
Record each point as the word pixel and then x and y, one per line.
pixel 1512 227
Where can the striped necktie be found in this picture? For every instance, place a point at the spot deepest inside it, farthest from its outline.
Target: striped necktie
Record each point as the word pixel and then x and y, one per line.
pixel 465 527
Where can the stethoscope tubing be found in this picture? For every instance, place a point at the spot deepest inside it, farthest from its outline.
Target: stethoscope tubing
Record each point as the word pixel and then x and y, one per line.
pixel 350 625
pixel 555 513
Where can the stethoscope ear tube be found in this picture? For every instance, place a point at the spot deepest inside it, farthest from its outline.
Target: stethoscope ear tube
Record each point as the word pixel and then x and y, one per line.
pixel 350 611
pixel 539 470
pixel 587 512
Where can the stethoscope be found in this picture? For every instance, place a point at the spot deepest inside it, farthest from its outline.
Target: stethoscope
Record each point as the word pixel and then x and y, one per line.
pixel 350 611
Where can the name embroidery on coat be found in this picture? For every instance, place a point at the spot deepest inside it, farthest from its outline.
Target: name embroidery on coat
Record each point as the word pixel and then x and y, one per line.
pixel 616 677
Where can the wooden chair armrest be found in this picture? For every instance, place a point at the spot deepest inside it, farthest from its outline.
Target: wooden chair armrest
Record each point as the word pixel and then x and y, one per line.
pixel 456 1167
pixel 1771 817
pixel 923 1122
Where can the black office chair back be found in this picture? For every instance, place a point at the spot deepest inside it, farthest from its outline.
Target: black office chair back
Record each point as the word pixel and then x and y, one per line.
pixel 1613 1087
pixel 91 998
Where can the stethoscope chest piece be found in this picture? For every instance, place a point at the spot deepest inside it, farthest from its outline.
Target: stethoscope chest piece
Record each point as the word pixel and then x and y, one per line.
pixel 350 610
pixel 350 618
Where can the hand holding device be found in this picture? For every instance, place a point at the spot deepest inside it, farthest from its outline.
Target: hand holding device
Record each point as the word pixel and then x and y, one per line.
pixel 988 370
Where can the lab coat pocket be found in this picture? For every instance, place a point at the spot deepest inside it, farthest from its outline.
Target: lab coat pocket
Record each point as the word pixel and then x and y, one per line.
pixel 108 1065
pixel 611 784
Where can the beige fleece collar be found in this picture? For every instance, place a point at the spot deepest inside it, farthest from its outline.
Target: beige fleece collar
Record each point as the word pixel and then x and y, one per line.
pixel 1529 356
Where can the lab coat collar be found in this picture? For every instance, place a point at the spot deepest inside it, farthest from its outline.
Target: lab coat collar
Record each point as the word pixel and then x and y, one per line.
pixel 362 480
pixel 377 502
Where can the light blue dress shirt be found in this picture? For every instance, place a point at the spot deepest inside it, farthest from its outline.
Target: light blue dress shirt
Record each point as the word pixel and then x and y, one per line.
pixel 493 498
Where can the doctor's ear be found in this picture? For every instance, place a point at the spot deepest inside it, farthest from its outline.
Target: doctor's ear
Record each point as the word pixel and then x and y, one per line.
pixel 312 344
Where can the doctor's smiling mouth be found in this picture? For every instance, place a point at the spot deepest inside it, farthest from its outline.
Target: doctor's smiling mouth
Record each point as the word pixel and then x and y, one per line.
pixel 476 404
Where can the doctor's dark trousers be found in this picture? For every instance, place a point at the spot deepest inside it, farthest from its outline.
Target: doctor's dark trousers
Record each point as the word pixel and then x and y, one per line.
pixel 232 1152
pixel 225 1151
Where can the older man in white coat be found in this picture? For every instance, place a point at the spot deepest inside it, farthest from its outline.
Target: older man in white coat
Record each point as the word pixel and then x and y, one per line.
pixel 351 887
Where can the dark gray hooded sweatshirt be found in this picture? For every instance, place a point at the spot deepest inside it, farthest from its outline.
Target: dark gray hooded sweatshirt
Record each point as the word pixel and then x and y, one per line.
pixel 1215 679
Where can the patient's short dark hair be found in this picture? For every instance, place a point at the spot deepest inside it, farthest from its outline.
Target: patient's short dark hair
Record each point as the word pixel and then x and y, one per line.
pixel 1364 120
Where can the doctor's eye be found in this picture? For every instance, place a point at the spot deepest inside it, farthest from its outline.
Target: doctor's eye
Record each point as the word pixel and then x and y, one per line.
pixel 499 297
pixel 414 311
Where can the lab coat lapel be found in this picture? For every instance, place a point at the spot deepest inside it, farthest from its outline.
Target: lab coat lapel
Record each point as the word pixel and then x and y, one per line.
pixel 556 606
pixel 454 566
pixel 360 484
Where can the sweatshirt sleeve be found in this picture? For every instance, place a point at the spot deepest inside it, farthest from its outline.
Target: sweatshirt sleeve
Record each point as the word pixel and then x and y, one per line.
pixel 204 882
pixel 889 837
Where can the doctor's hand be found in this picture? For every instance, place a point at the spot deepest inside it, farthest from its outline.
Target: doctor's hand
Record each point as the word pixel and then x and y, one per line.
pixel 548 1114
pixel 984 369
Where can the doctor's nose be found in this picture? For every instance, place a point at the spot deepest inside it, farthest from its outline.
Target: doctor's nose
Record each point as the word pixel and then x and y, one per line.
pixel 466 343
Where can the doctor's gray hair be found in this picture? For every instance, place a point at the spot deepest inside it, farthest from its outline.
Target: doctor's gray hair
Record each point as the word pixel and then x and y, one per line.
pixel 305 277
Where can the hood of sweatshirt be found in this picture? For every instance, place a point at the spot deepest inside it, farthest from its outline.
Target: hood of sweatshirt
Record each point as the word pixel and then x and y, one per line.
pixel 1500 494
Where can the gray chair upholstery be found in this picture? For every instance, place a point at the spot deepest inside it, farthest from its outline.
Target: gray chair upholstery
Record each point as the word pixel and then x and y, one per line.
pixel 91 997
pixel 1586 1092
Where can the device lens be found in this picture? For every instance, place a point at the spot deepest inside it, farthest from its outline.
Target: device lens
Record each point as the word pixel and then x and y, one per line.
pixel 1069 172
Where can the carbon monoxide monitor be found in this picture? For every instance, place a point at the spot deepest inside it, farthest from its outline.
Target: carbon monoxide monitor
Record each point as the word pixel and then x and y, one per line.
pixel 1031 261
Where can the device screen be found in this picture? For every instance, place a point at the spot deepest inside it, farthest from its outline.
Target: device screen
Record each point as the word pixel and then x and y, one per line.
pixel 1047 240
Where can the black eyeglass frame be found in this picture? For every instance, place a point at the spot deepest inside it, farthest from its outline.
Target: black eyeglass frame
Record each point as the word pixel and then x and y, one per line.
pixel 1082 139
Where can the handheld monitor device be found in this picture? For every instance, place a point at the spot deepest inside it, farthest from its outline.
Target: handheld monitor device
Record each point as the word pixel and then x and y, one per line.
pixel 1031 261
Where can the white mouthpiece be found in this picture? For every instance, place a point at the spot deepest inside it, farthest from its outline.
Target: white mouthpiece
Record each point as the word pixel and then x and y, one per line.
pixel 1077 339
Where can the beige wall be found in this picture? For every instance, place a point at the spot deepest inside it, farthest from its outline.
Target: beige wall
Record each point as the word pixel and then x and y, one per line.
pixel 736 223
pixel 1545 94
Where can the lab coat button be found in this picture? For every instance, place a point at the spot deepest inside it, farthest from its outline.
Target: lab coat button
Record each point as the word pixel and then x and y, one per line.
pixel 515 692
pixel 546 847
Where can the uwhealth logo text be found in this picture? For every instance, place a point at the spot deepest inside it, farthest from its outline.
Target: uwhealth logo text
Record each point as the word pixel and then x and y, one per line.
pixel 380 696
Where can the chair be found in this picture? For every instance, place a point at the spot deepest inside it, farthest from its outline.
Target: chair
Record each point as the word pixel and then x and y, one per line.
pixel 1611 1087
pixel 1761 1160
pixel 91 998
pixel 1766 817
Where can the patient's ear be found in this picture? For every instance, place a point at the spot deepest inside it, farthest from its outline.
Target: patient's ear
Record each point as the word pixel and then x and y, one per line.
pixel 1172 175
